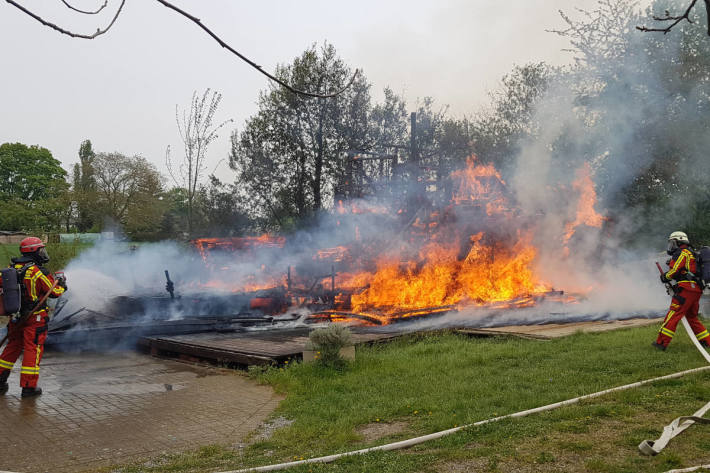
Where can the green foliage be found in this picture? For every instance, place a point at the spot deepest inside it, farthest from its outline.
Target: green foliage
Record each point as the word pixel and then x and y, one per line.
pixel 288 157
pixel 328 341
pixel 499 131
pixel 129 192
pixel 29 173
pixel 34 193
pixel 85 187
pixel 291 157
pixel 219 207
pixel 60 254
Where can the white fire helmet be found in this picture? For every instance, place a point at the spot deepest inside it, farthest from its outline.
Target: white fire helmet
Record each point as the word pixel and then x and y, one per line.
pixel 676 239
pixel 680 237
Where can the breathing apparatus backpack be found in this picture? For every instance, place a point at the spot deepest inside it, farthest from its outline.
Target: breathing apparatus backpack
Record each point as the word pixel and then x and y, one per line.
pixel 702 259
pixel 11 289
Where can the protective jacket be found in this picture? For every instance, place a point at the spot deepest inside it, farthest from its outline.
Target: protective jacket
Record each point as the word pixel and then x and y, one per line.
pixel 683 269
pixel 29 333
pixel 685 300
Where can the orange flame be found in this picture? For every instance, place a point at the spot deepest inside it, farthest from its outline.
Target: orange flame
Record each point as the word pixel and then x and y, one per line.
pixel 488 273
pixel 586 215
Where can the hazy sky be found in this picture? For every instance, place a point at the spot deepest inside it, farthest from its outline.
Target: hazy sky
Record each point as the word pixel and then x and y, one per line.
pixel 120 90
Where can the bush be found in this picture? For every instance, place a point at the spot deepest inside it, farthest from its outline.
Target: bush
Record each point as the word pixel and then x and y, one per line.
pixel 328 341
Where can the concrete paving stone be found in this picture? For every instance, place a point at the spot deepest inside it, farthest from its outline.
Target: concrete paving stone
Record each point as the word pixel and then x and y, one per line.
pixel 102 409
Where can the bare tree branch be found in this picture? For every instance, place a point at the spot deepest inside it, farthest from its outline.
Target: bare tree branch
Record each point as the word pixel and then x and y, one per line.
pixel 198 23
pixel 252 63
pixel 677 18
pixel 71 7
pixel 98 32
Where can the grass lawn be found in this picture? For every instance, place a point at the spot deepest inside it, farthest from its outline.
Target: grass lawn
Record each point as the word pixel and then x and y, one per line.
pixel 59 253
pixel 423 384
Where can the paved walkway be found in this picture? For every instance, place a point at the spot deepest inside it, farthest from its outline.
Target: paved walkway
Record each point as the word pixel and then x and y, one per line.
pixel 101 409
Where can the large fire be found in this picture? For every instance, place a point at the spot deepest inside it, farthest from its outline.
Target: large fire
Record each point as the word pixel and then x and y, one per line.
pixel 478 250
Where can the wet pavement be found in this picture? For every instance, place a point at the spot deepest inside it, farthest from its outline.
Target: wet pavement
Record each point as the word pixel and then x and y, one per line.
pixel 101 409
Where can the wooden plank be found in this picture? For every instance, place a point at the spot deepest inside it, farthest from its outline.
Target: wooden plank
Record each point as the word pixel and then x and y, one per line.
pixel 159 346
pixel 504 333
pixel 549 331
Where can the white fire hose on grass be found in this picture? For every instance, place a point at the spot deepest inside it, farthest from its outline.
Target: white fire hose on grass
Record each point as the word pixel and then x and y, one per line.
pixel 654 447
pixel 682 422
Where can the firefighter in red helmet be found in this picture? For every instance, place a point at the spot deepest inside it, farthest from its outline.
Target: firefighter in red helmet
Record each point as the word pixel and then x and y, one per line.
pixel 687 291
pixel 27 333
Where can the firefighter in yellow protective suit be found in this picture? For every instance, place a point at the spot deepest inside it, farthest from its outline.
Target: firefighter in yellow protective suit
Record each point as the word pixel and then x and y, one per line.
pixel 688 289
pixel 28 333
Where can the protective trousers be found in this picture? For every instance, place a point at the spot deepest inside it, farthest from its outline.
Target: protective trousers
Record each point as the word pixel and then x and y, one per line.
pixel 684 303
pixel 28 336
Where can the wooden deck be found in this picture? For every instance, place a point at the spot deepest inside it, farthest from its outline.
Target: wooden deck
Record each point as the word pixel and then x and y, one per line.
pixel 245 348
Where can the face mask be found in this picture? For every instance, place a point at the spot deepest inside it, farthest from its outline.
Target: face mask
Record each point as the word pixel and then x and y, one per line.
pixel 672 246
pixel 43 256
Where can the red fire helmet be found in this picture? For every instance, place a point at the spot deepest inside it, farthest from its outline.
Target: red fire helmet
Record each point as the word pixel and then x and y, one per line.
pixel 30 245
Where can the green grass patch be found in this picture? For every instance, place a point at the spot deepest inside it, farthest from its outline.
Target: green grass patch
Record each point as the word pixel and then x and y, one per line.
pixel 436 382
pixel 59 253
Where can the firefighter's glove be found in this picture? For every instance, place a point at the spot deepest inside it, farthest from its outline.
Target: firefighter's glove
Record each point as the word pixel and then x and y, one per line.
pixel 664 279
pixel 62 282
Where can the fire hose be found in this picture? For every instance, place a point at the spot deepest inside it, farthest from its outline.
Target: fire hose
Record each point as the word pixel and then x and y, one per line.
pixel 437 435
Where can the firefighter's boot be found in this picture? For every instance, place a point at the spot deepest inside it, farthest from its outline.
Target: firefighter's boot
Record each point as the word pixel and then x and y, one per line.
pixel 3 381
pixel 31 392
pixel 659 346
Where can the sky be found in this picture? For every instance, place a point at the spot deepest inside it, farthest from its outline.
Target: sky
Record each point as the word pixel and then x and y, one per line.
pixel 120 90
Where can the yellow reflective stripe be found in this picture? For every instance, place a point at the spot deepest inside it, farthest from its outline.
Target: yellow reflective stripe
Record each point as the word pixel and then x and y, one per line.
pixel 668 317
pixel 39 353
pixel 675 267
pixel 665 331
pixel 6 364
pixel 29 371
pixel 33 284
pixel 44 279
pixel 703 334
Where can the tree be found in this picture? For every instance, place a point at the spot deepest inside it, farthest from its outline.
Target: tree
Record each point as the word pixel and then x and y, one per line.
pixel 221 209
pixel 498 131
pixel 85 187
pixel 174 219
pixel 33 194
pixel 442 143
pixel 197 131
pixel 129 191
pixel 29 173
pixel 288 158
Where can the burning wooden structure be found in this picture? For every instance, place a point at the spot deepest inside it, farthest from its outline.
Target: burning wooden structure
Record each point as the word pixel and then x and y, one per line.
pixel 477 250
pixel 384 262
